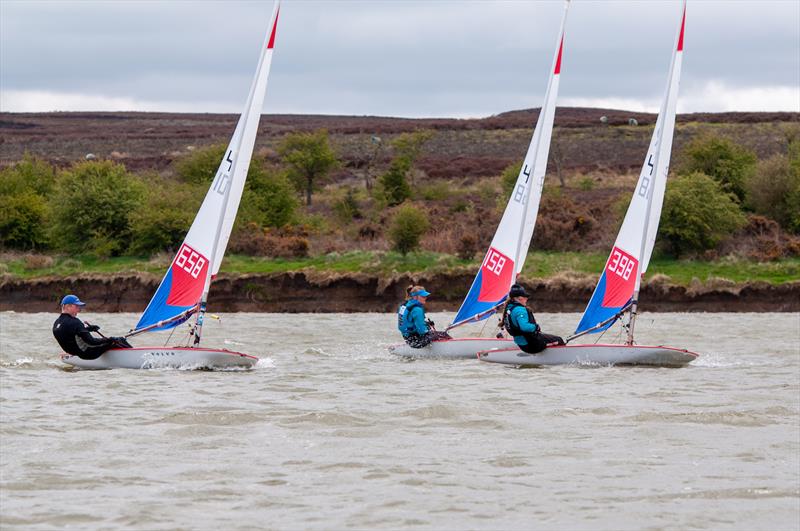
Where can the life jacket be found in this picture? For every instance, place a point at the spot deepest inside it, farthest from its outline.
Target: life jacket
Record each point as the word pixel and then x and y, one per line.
pixel 404 324
pixel 511 327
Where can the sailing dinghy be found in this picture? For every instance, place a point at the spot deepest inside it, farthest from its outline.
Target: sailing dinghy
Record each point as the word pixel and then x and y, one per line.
pixel 617 291
pixel 183 292
pixel 509 248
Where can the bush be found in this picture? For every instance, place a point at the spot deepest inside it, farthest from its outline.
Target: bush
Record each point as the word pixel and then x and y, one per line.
pixel 407 227
pixel 561 224
pixel 200 166
pixel 774 191
pixel 347 208
pixel 165 216
pixel 269 198
pixel 310 159
pixel 697 215
pixel 255 241
pixel 28 175
pixel 22 221
pixel 726 162
pixel 393 184
pixel 508 179
pixel 92 205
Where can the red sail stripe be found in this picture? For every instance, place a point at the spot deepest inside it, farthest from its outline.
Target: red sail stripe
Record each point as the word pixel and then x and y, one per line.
pixel 558 61
pixel 683 22
pixel 274 28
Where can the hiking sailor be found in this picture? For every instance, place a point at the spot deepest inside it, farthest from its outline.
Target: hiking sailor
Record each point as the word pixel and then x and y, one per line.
pixel 415 328
pixel 75 337
pixel 518 321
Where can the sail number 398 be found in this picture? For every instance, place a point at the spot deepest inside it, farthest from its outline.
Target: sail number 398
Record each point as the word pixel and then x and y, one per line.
pixel 621 264
pixel 190 261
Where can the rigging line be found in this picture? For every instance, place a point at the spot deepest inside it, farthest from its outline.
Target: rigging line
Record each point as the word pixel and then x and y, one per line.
pixel 170 335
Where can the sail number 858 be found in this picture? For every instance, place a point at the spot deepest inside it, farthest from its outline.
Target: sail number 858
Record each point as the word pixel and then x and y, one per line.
pixel 190 261
pixel 621 264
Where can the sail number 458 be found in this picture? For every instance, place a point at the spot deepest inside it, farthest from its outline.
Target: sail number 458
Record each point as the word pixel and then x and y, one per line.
pixel 190 261
pixel 621 264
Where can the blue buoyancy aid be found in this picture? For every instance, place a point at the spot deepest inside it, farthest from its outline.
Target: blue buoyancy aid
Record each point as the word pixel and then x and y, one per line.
pixel 411 318
pixel 518 321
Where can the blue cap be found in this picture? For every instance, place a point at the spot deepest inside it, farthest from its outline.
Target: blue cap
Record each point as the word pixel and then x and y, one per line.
pixel 72 299
pixel 420 293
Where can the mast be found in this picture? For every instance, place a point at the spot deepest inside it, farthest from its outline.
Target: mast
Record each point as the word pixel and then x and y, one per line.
pixel 233 156
pixel 669 100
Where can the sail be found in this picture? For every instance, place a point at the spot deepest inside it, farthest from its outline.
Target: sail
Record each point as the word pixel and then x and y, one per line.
pixel 509 248
pixel 631 253
pixel 200 255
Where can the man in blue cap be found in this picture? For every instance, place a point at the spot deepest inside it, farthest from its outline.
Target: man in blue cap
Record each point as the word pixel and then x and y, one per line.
pixel 75 337
pixel 415 328
pixel 518 321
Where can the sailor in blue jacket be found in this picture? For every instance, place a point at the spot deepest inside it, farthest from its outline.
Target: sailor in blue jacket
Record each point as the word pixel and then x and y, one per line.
pixel 415 328
pixel 518 321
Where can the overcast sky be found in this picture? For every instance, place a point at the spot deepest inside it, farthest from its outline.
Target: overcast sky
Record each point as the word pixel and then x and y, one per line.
pixel 448 58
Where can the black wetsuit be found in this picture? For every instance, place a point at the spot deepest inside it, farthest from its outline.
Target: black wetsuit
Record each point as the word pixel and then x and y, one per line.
pixel 75 338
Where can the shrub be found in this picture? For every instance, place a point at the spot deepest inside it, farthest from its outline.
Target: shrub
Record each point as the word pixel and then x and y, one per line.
pixel 255 241
pixel 467 246
pixel 347 207
pixel 22 221
pixel 92 205
pixel 508 179
pixel 561 223
pixel 165 216
pixel 393 184
pixel 774 191
pixel 28 175
pixel 407 227
pixel 697 215
pixel 726 162
pixel 200 166
pixel 269 198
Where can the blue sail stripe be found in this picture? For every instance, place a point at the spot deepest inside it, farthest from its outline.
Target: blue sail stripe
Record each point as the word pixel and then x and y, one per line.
pixel 595 312
pixel 472 306
pixel 158 309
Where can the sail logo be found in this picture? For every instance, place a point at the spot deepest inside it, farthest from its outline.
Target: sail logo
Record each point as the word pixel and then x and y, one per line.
pixel 620 276
pixel 496 272
pixel 188 274
pixel 520 195
pixel 223 177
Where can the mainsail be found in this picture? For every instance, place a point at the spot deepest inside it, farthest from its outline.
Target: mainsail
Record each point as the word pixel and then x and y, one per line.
pixel 184 288
pixel 619 284
pixel 509 248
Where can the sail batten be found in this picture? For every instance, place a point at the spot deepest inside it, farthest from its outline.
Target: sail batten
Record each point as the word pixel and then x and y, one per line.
pixel 621 277
pixel 200 255
pixel 509 247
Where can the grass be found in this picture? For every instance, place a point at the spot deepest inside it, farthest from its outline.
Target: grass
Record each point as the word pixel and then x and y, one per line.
pixel 538 265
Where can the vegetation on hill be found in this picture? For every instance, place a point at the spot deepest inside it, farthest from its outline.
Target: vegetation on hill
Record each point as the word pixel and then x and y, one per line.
pixel 411 192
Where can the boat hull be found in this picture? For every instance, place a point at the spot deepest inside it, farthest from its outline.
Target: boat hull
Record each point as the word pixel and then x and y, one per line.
pixel 459 348
pixel 164 357
pixel 654 356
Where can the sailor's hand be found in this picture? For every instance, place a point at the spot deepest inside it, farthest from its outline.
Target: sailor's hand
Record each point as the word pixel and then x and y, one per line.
pixel 92 328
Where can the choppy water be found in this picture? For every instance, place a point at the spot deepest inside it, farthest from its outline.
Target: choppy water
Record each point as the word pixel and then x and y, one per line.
pixel 330 432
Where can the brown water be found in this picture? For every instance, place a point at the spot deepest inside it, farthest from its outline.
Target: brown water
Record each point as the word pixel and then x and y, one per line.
pixel 330 431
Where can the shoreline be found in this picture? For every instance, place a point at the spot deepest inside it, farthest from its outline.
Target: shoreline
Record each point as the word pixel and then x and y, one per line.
pixel 315 292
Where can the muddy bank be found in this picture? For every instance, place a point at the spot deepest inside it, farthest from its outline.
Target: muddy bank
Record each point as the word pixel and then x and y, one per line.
pixel 325 292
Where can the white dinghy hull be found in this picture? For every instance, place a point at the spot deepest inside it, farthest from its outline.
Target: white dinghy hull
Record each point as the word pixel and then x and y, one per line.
pixel 658 356
pixel 164 358
pixel 459 348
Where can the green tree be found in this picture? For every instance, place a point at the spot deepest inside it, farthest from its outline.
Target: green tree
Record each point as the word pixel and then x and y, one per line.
pixel 774 190
pixel 269 198
pixel 310 159
pixel 725 161
pixel 408 147
pixel 23 205
pixel 92 206
pixel 200 166
pixel 165 216
pixel 407 227
pixel 697 214
pixel 393 184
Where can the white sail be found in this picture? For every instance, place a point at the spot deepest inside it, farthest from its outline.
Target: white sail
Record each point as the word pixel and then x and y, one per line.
pixel 509 247
pixel 200 255
pixel 633 247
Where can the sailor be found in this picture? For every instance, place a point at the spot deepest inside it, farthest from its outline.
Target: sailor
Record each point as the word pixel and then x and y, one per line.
pixel 415 328
pixel 75 336
pixel 518 321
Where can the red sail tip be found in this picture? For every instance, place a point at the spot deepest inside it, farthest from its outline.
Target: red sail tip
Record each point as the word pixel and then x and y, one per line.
pixel 274 29
pixel 683 22
pixel 558 60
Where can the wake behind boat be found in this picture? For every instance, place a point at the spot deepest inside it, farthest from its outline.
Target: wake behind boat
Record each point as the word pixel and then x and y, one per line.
pixel 617 291
pixel 505 258
pixel 183 291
